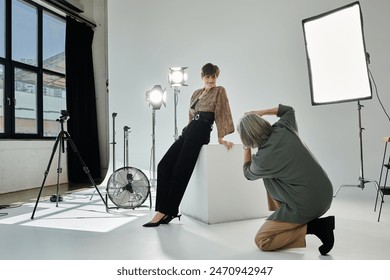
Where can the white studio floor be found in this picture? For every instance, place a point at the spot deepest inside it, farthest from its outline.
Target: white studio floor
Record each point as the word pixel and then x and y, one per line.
pixel 81 229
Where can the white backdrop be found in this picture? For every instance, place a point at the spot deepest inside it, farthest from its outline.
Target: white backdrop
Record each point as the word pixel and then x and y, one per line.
pixel 260 50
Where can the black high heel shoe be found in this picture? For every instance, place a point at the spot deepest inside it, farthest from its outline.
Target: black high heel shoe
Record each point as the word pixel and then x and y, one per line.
pixel 167 218
pixel 156 224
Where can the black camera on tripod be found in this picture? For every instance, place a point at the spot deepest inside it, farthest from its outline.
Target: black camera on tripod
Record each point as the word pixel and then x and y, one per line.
pixel 64 116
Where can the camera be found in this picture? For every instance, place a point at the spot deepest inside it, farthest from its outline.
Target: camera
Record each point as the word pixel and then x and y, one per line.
pixel 64 115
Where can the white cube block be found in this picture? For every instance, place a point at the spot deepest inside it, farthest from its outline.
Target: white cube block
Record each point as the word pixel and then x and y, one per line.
pixel 218 192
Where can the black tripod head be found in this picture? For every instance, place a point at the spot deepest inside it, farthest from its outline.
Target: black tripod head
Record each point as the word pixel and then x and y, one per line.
pixel 64 116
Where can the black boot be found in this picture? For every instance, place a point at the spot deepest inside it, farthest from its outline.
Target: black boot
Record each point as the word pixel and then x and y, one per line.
pixel 323 229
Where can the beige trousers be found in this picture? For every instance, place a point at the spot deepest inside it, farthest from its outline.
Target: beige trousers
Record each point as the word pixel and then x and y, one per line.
pixel 275 235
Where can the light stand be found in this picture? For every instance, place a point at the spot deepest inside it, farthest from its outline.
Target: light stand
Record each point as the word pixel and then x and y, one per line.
pixel 126 130
pixel 60 142
pixel 177 78
pixel 176 92
pixel 153 177
pixel 113 141
pixel 362 180
pixel 339 73
pixel 156 97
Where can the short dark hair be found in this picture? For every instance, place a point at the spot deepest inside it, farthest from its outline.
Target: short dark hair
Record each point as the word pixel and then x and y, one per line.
pixel 210 69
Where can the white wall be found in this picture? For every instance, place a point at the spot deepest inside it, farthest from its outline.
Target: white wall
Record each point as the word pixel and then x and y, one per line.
pixel 259 47
pixel 23 165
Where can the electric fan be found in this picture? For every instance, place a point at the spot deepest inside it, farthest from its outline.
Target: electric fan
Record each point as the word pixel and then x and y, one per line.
pixel 128 187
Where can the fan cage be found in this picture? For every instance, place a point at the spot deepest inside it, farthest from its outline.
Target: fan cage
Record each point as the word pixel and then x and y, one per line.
pixel 128 187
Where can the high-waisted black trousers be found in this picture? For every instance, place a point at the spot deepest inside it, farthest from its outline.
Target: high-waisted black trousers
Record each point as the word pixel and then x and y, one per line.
pixel 175 168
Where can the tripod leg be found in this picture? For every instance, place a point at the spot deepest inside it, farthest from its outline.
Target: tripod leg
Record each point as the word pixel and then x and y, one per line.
pixel 85 168
pixel 47 172
pixel 59 168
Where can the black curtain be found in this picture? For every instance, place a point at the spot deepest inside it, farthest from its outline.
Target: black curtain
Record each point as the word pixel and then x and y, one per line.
pixel 81 101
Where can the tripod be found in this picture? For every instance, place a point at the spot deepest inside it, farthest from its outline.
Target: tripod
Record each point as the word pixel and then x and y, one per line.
pixel 60 142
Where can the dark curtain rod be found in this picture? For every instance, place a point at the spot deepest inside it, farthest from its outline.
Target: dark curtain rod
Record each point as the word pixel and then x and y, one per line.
pixel 77 17
pixel 70 13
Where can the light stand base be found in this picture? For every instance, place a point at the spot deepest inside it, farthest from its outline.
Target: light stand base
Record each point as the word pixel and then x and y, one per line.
pixel 55 198
pixel 361 185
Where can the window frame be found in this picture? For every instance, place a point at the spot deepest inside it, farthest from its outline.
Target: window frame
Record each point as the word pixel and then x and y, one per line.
pixel 9 78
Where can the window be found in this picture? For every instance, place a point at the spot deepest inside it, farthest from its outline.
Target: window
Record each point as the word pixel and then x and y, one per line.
pixel 2 28
pixel 2 98
pixel 32 70
pixel 2 56
pixel 24 33
pixel 25 101
pixel 53 43
pixel 54 88
pixel 54 100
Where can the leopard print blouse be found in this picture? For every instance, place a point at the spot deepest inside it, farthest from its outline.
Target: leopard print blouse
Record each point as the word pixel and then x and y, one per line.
pixel 215 101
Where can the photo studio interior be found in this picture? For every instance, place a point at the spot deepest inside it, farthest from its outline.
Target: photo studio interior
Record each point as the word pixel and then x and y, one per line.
pixel 329 60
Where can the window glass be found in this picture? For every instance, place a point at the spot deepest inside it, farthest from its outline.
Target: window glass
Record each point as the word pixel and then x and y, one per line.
pixel 25 101
pixel 2 28
pixel 53 43
pixel 1 98
pixel 24 32
pixel 54 100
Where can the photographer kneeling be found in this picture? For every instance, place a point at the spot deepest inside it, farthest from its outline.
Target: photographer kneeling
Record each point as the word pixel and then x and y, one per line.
pixel 298 189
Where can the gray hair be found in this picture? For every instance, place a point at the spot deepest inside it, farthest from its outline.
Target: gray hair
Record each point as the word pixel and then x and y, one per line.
pixel 254 130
